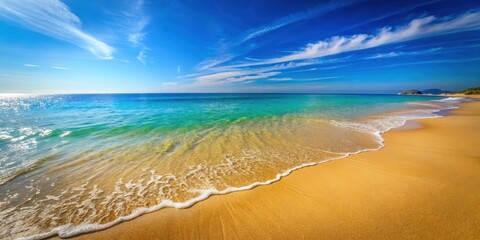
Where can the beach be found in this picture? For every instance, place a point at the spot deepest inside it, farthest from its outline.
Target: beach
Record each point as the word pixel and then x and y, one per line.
pixel 425 184
pixel 263 164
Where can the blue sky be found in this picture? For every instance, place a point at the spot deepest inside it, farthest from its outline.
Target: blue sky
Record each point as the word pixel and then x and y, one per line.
pixel 350 46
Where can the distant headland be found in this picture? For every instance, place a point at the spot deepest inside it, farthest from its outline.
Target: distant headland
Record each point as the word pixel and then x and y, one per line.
pixel 435 91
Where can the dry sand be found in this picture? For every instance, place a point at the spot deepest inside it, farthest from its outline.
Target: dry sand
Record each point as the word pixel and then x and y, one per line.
pixel 425 184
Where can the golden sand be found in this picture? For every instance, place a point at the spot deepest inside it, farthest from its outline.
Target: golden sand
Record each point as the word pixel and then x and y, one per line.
pixel 425 184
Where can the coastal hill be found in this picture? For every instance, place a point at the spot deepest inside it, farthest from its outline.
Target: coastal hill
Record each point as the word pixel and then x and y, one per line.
pixel 411 92
pixel 470 91
pixel 435 91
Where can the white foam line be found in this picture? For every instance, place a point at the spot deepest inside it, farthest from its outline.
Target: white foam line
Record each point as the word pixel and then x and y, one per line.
pixel 66 231
pixel 449 99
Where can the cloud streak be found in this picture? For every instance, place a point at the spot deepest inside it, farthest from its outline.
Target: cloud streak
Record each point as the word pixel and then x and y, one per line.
pixel 53 18
pixel 227 47
pixel 142 57
pixel 31 65
pixel 425 62
pixel 136 21
pixel 228 75
pixel 60 68
pixel 296 17
pixel 416 29
pixel 131 22
pixel 400 53
pixel 232 77
pixel 314 53
pixel 281 79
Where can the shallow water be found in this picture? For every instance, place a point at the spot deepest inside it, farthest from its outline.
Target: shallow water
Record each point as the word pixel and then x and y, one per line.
pixel 77 163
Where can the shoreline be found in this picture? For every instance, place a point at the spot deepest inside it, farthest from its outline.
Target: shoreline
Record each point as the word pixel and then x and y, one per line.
pixel 227 217
pixel 375 126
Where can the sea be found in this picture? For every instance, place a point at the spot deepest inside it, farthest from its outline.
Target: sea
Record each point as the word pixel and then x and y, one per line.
pixel 72 164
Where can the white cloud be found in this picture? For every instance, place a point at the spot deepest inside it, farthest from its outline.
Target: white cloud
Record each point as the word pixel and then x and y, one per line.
pixel 409 8
pixel 418 28
pixel 169 83
pixel 142 57
pixel 225 75
pixel 247 82
pixel 61 68
pixel 135 22
pixel 313 53
pixel 225 48
pixel 301 79
pixel 53 18
pixel 251 77
pixel 426 62
pixel 136 37
pixel 400 53
pixel 324 68
pixel 30 65
pixel 130 20
pixel 296 17
pixel 316 79
pixel 280 79
pixel 231 77
pixel 220 76
pixel 209 63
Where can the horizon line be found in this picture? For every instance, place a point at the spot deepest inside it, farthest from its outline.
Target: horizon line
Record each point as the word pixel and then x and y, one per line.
pixel 106 93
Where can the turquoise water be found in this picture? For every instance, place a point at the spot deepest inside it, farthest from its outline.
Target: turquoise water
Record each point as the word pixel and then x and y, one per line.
pixel 90 161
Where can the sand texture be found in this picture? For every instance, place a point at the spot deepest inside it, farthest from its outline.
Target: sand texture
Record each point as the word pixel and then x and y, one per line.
pixel 425 184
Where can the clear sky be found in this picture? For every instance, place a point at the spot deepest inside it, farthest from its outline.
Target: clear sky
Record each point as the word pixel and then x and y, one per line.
pixel 349 46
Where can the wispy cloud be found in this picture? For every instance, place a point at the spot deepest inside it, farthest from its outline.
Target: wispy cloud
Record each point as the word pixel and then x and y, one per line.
pixel 301 79
pixel 142 57
pixel 131 21
pixel 281 79
pixel 296 17
pixel 31 65
pixel 317 78
pixel 411 7
pixel 251 77
pixel 315 53
pixel 53 18
pixel 212 62
pixel 425 62
pixel 61 68
pixel 417 28
pixel 136 22
pixel 220 76
pixel 231 77
pixel 400 53
pixel 323 68
pixel 225 47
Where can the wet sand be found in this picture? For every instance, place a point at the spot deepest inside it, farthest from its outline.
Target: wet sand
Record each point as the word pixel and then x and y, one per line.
pixel 425 184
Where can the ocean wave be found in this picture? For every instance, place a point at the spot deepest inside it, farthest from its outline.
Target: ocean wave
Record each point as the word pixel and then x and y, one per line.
pixel 65 133
pixel 451 99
